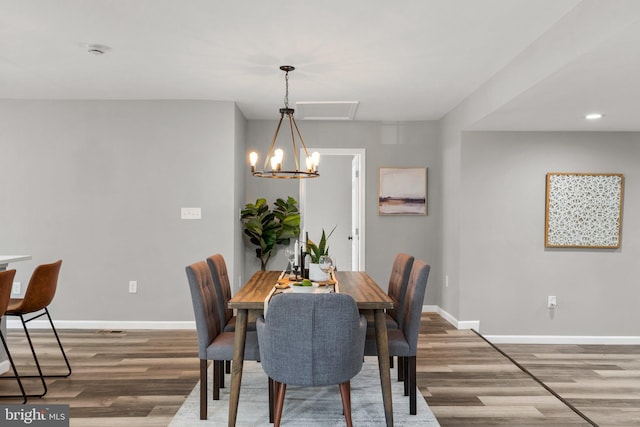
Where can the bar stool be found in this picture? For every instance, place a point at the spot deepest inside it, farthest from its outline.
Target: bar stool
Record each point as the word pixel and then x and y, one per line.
pixel 6 281
pixel 39 294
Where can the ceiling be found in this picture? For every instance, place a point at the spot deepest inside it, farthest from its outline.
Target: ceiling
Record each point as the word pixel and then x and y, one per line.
pixel 533 64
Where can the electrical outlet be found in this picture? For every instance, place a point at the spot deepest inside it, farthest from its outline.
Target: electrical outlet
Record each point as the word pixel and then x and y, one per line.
pixel 15 290
pixel 446 281
pixel 133 286
pixel 191 213
pixel 552 301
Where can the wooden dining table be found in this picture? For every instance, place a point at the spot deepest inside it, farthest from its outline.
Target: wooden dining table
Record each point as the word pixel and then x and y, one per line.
pixel 369 297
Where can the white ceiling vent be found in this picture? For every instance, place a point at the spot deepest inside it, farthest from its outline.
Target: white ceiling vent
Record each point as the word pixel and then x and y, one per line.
pixel 328 110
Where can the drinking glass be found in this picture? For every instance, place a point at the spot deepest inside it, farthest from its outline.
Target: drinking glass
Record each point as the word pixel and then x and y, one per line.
pixel 326 264
pixel 291 256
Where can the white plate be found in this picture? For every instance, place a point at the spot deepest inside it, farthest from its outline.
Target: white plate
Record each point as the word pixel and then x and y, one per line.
pixel 309 289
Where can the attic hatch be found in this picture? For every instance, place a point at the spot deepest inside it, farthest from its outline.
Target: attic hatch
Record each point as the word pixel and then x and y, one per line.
pixel 327 110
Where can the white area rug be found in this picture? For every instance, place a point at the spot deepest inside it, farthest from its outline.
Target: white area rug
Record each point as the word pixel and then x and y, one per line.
pixel 316 406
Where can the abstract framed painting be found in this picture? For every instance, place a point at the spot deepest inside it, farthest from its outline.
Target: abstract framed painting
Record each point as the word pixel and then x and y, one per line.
pixel 583 210
pixel 402 191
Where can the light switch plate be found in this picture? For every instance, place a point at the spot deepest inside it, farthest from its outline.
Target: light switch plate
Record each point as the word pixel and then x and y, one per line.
pixel 191 213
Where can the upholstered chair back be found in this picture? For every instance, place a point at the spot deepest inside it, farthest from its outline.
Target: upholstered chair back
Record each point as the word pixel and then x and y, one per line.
pixel 312 339
pixel 205 305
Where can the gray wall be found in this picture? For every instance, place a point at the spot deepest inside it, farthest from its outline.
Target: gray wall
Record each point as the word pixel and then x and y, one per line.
pixel 506 273
pixel 100 184
pixel 239 184
pixel 404 144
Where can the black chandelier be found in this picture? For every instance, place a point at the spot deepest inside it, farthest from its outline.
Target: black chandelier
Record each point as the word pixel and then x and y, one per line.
pixel 275 156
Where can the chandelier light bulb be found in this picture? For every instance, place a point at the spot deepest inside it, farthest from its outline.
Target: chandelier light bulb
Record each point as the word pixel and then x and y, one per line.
pixel 279 154
pixel 315 157
pixel 274 163
pixel 253 158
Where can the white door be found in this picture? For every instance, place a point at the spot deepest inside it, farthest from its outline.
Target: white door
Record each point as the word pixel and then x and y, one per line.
pixel 334 200
pixel 355 214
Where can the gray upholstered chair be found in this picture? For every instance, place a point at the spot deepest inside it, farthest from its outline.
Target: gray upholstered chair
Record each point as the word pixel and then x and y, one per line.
pixel 404 342
pixel 397 288
pixel 398 281
pixel 6 282
pixel 312 340
pixel 218 268
pixel 213 343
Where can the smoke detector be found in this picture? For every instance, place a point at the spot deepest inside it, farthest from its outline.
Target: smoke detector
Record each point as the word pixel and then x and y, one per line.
pixel 97 49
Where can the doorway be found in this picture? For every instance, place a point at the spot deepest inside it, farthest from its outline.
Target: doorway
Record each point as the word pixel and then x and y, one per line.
pixel 336 199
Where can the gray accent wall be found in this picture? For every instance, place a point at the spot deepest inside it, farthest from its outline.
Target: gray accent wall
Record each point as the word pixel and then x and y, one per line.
pixel 100 184
pixel 506 273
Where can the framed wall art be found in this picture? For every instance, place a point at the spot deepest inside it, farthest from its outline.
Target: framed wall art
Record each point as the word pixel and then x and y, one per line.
pixel 402 191
pixel 583 210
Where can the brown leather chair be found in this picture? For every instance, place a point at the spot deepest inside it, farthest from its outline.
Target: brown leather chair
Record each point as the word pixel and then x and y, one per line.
pixel 37 297
pixel 6 281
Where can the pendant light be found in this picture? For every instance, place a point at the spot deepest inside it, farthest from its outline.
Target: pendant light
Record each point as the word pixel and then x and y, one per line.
pixel 275 155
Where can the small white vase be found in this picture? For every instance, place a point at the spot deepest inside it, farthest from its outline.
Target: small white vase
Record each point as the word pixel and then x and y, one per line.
pixel 317 275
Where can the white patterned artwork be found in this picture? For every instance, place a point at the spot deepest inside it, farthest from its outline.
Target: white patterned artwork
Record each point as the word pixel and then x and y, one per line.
pixel 583 210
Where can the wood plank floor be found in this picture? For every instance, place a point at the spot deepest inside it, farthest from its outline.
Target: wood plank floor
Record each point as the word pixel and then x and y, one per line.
pixel 140 378
pixel 467 382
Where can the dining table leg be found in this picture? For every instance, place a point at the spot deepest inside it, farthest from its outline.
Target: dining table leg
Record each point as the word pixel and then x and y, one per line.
pixel 382 343
pixel 236 366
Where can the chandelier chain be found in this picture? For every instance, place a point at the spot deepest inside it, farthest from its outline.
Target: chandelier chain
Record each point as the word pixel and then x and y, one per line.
pixel 286 94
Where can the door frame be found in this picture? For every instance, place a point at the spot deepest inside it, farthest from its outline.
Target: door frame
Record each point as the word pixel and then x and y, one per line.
pixel 360 155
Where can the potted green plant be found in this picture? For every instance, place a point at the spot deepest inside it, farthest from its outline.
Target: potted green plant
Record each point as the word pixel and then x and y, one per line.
pixel 267 228
pixel 315 251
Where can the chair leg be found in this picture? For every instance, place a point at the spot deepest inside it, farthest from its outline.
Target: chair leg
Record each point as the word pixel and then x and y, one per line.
pixel 203 389
pixel 391 362
pixel 228 367
pixel 411 379
pixel 35 358
pixel 345 394
pixel 406 375
pixel 221 377
pixel 280 391
pixel 64 355
pixel 400 368
pixel 217 371
pixel 271 402
pixel 15 371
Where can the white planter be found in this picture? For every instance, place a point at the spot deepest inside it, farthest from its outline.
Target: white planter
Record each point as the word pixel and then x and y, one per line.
pixel 317 275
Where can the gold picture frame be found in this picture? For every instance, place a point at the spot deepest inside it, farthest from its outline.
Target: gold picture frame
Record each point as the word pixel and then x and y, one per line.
pixel 583 210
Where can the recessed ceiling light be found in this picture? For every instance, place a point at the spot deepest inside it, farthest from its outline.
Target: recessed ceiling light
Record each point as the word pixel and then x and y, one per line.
pixel 593 116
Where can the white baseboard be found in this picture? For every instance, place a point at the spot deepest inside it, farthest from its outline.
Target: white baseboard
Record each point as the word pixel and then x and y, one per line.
pixel 103 324
pixel 459 324
pixel 563 339
pixel 533 339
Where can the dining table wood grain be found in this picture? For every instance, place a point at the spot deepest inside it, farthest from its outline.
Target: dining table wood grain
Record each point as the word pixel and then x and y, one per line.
pixel 369 297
